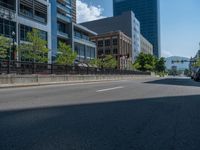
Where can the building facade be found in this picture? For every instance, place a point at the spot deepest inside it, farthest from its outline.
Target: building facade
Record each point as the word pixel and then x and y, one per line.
pixel 127 23
pixel 82 45
pixel 117 44
pixel 21 16
pixel 148 13
pixel 56 21
pixel 63 14
pixel 146 46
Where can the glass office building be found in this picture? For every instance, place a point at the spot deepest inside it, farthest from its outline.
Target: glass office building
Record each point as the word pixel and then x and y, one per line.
pixel 21 16
pixel 148 13
pixel 55 19
pixel 62 16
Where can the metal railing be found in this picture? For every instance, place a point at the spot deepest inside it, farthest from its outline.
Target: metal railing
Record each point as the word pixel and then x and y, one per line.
pixel 20 67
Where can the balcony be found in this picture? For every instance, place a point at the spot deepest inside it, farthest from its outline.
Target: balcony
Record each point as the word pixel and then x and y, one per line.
pixel 29 15
pixel 84 42
pixel 61 7
pixel 64 18
pixel 11 6
pixel 7 13
pixel 43 2
pixel 62 34
pixel 66 1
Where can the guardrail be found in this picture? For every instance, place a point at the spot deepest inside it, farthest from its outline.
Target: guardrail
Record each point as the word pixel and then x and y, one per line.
pixel 19 67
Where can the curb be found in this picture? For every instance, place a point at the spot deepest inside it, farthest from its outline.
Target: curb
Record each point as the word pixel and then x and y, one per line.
pixel 6 86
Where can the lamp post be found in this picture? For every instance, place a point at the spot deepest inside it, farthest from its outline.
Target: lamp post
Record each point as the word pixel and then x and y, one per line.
pixel 13 50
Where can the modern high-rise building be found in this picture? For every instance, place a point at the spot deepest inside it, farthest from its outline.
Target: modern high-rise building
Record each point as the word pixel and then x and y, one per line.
pixel 63 13
pixel 148 13
pixel 56 21
pixel 19 17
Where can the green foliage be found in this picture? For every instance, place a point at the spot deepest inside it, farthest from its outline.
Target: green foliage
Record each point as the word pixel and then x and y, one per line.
pixel 109 62
pixel 145 62
pixel 65 55
pixel 148 62
pixel 4 46
pixel 35 49
pixel 96 62
pixel 197 64
pixel 160 65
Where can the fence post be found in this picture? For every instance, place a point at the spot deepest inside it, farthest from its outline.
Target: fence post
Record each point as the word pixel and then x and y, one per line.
pixel 33 68
pixel 66 69
pixel 51 68
pixel 87 70
pixel 8 67
pixel 0 67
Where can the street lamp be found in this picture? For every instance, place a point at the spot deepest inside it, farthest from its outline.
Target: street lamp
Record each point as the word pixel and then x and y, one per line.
pixel 13 38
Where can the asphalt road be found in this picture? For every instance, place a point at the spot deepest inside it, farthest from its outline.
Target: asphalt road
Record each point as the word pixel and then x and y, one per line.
pixel 151 114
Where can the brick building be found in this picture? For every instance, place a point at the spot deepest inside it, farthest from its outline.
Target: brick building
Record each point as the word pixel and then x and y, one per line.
pixel 117 44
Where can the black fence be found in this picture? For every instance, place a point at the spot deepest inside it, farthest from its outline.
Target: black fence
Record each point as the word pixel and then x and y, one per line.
pixel 17 67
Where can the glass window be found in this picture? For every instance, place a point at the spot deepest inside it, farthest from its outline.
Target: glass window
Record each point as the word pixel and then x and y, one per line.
pixel 100 43
pixel 107 42
pixel 100 52
pixel 7 27
pixel 77 34
pixel 115 51
pixel 61 27
pixel 24 30
pixel 85 37
pixel 115 42
pixel 92 52
pixel 107 51
pixel 88 52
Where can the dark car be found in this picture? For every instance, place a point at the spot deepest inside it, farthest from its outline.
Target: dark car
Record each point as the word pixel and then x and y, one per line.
pixel 193 70
pixel 196 75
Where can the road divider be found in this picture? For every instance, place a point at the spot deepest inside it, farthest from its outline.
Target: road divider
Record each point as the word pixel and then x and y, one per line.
pixel 7 81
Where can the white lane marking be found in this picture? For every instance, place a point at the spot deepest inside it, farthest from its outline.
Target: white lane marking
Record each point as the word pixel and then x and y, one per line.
pixel 109 89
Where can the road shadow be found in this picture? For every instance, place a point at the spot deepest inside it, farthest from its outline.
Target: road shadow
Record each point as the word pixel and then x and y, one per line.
pixel 175 81
pixel 165 123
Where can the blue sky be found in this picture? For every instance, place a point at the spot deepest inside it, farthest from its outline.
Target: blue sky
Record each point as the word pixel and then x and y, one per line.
pixel 180 25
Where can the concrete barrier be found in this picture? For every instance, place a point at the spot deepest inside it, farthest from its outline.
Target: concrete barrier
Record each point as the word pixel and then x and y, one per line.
pixel 34 79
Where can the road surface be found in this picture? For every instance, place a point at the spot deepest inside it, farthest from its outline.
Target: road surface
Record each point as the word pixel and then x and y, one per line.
pixel 145 114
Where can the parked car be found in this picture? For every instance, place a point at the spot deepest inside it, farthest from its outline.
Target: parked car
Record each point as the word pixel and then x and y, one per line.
pixel 196 75
pixel 193 71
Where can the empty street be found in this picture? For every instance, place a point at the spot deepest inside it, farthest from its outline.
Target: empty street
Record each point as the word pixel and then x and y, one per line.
pixel 142 114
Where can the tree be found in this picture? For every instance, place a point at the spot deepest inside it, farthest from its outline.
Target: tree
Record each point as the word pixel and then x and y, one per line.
pixel 95 62
pixel 145 62
pixel 109 62
pixel 160 65
pixel 197 63
pixel 65 55
pixel 4 46
pixel 105 62
pixel 35 49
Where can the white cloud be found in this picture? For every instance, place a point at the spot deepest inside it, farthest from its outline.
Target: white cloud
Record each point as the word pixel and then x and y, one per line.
pixel 167 53
pixel 87 12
